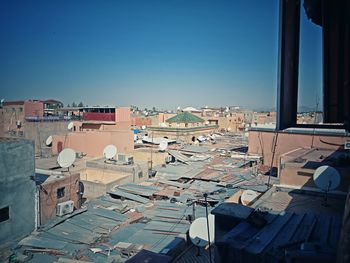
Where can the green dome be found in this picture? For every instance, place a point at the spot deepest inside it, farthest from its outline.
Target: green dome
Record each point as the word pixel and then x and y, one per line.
pixel 185 117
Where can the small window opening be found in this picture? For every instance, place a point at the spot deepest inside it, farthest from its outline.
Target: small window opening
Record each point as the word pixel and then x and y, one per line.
pixel 4 214
pixel 60 192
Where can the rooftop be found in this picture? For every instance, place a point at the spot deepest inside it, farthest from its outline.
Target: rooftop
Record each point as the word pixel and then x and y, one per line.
pixel 185 117
pixel 285 237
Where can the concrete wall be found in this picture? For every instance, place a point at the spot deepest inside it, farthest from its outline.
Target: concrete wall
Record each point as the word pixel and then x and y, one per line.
pixel 234 123
pixel 264 117
pixel 162 117
pixel 121 169
pixel 122 114
pixel 12 114
pixel 33 108
pixel 17 189
pixel 140 121
pixel 300 172
pixel 97 189
pixel 144 155
pixel 39 131
pixel 261 142
pixel 93 142
pixel 183 134
pixel 99 177
pixel 48 195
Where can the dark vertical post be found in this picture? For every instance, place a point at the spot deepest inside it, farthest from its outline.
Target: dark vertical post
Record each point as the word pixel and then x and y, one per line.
pixel 207 215
pixel 287 91
pixel 336 37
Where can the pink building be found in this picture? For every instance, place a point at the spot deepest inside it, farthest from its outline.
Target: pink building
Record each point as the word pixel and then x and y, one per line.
pixel 93 135
pixel 123 114
pixel 262 142
pixel 33 108
pixel 15 114
pixel 92 143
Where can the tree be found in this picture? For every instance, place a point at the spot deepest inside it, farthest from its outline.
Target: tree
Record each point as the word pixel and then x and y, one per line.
pixel 80 104
pixel 74 104
pixel 68 106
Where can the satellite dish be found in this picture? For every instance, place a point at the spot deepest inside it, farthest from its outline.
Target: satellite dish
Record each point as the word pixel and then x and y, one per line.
pixel 143 127
pixel 163 146
pixel 199 231
pixel 48 141
pixel 110 151
pixel 66 158
pixel 326 178
pixel 70 126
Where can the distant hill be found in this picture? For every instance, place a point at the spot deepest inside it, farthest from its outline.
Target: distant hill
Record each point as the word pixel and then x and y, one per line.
pixel 307 109
pixel 300 109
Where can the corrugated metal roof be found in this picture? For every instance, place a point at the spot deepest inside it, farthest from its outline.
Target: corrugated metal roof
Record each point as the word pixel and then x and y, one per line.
pixel 282 238
pixel 195 149
pixel 130 196
pixel 179 156
pixel 149 256
pixel 142 190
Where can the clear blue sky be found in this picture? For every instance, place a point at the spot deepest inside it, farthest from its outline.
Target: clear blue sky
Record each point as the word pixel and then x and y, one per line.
pixel 162 53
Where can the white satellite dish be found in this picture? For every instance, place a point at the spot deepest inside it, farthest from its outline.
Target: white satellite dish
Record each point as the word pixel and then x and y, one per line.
pixel 48 141
pixel 199 231
pixel 201 138
pixel 143 127
pixel 163 146
pixel 66 158
pixel 326 178
pixel 70 126
pixel 110 151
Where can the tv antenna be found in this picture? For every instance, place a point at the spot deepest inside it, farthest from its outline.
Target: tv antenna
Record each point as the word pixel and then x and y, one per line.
pixel 326 178
pixel 66 158
pixel 48 141
pixel 109 152
pixel 163 146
